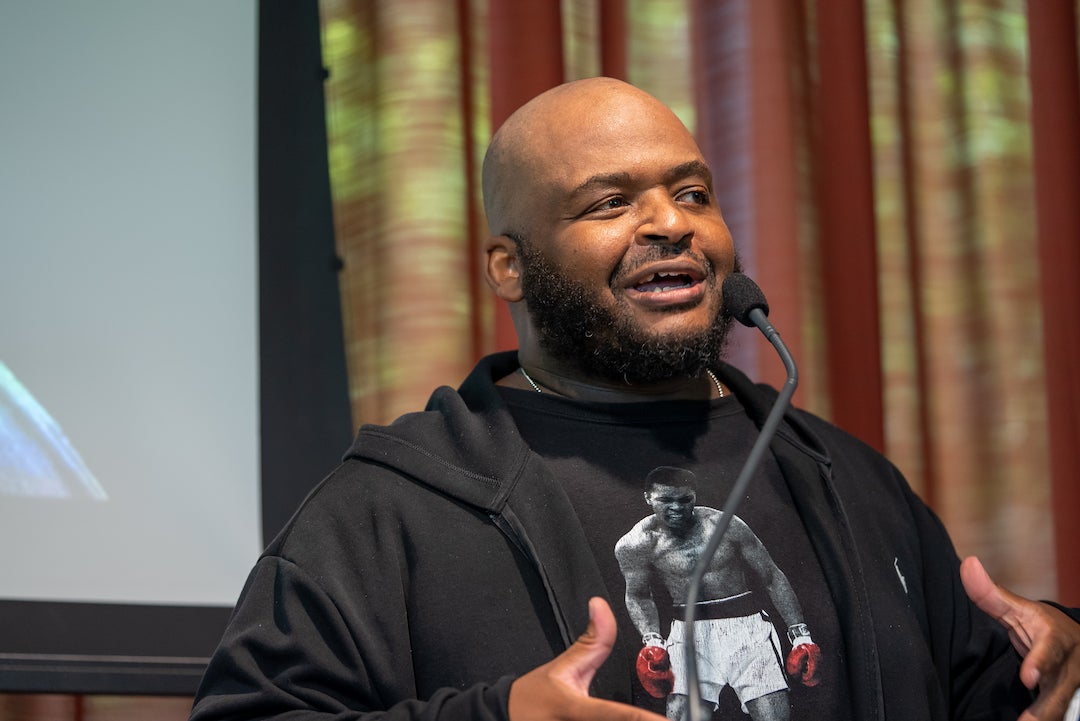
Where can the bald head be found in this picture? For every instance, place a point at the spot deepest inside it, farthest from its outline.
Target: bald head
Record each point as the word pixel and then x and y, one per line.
pixel 542 141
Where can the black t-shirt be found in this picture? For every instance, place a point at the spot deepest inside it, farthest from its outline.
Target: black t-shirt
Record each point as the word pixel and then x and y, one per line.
pixel 603 455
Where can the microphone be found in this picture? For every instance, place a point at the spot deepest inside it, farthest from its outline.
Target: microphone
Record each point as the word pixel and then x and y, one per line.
pixel 743 301
pixel 741 296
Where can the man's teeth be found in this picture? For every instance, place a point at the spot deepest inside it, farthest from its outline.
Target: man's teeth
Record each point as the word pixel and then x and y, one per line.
pixel 656 284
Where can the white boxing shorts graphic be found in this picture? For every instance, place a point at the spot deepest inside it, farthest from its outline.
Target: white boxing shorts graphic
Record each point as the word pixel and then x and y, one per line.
pixel 741 652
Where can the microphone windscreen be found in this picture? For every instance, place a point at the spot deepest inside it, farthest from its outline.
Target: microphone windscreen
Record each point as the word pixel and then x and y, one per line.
pixel 742 295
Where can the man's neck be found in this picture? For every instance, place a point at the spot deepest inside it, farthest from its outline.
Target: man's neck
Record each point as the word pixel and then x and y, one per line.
pixel 559 382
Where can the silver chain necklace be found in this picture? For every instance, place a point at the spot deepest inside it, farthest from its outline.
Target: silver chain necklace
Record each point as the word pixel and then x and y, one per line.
pixel 715 380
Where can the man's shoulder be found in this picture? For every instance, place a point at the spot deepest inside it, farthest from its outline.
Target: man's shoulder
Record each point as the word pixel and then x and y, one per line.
pixel 641 536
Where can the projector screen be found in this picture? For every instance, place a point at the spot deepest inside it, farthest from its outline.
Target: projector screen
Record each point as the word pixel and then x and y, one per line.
pixel 129 358
pixel 172 365
pixel 129 342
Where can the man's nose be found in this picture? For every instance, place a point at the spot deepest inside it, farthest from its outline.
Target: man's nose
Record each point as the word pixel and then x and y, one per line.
pixel 664 220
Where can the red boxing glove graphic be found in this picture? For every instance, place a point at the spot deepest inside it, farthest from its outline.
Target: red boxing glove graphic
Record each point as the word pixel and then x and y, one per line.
pixel 654 669
pixel 802 660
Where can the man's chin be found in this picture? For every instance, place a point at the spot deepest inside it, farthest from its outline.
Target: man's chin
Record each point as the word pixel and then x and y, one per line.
pixel 673 332
pixel 623 353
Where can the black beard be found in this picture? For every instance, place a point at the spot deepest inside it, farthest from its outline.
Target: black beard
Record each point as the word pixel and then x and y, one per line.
pixel 575 330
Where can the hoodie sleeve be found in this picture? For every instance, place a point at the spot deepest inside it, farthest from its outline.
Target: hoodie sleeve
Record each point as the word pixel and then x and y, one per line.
pixel 977 665
pixel 289 653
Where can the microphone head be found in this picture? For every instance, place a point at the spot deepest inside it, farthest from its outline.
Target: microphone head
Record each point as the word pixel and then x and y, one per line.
pixel 741 295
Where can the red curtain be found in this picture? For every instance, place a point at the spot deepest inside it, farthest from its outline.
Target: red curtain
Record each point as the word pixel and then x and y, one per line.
pixel 900 178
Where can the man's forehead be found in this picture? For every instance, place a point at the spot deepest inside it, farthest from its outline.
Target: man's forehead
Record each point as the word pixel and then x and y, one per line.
pixel 594 119
pixel 577 163
pixel 664 489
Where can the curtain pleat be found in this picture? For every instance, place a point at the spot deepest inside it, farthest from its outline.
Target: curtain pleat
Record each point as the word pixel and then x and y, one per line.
pixel 396 116
pixel 613 34
pixel 899 231
pixel 526 58
pixel 1055 83
pixel 723 91
pixel 752 109
pixel 843 185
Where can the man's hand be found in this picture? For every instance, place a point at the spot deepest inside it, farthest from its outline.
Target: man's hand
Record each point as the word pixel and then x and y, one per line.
pixel 654 671
pixel 1047 639
pixel 560 688
pixel 804 657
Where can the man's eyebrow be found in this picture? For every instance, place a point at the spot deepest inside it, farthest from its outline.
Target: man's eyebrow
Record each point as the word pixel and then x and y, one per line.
pixel 603 180
pixel 609 180
pixel 690 169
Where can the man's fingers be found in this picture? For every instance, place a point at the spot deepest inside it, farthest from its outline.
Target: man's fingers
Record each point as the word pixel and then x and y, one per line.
pixel 1051 703
pixel 578 664
pixel 1053 666
pixel 587 654
pixel 560 688
pixel 1046 638
pixel 981 589
pixel 1009 609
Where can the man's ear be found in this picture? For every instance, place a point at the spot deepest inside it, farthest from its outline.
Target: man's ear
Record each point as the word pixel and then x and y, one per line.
pixel 503 268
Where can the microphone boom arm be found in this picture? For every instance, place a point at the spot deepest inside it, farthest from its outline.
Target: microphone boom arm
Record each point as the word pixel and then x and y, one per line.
pixel 768 430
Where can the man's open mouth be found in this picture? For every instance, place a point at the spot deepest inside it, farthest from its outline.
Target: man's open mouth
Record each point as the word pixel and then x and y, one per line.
pixel 661 282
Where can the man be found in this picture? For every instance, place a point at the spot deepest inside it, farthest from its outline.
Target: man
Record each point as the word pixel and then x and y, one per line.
pixel 458 564
pixel 736 643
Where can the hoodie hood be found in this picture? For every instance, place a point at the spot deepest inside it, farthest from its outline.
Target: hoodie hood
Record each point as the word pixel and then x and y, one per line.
pixel 464 443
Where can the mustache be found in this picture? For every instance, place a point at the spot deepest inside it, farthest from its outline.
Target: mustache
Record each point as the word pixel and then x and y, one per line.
pixel 627 266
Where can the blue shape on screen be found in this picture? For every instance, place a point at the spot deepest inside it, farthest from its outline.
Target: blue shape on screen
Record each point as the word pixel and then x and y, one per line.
pixel 36 458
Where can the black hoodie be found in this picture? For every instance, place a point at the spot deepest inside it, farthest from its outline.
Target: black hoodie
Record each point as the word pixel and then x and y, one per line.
pixel 441 560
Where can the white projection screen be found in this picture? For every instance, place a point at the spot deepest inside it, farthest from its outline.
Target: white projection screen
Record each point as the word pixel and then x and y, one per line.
pixel 129 354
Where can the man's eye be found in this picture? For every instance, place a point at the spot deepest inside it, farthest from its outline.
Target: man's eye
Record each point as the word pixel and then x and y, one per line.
pixel 611 203
pixel 696 196
pixel 680 499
